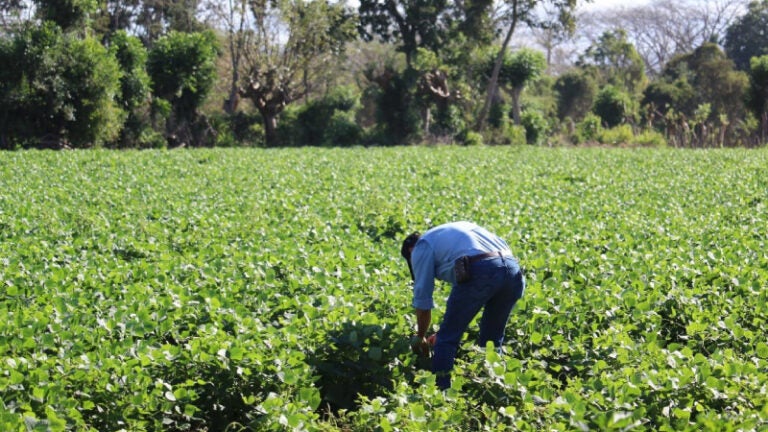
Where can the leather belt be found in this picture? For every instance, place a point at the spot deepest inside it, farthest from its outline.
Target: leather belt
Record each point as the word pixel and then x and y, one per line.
pixel 482 256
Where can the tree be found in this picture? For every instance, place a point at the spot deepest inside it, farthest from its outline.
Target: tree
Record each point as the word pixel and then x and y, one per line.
pixel 293 45
pixel 116 15
pixel 66 13
pixel 396 114
pixel 159 17
pixel 476 22
pixel 757 97
pixel 10 95
pixel 232 15
pixel 61 91
pixel 715 80
pixel 183 68
pixel 517 71
pixel 576 91
pixel 522 11
pixel 747 36
pixel 433 90
pixel 134 86
pixel 554 36
pixel 412 23
pixel 10 11
pixel 663 29
pixel 700 89
pixel 616 61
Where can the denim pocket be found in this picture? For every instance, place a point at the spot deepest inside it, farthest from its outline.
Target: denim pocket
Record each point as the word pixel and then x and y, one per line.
pixel 486 279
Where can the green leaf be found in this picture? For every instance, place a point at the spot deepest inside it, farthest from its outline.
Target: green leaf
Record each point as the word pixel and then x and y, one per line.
pixel 762 350
pixel 374 353
pixel 311 397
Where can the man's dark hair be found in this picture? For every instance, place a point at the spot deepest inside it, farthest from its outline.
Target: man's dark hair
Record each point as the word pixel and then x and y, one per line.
pixel 405 250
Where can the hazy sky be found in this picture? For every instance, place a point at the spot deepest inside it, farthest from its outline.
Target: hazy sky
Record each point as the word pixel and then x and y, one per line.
pixel 607 4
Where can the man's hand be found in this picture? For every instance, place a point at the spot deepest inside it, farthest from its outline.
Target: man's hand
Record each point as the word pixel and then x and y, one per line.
pixel 432 339
pixel 420 346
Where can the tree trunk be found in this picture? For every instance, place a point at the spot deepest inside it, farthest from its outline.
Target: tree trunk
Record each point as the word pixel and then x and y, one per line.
pixel 270 128
pixel 233 100
pixel 493 83
pixel 516 92
pixel 235 53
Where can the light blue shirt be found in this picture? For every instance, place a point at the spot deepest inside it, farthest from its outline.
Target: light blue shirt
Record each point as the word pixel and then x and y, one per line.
pixel 438 249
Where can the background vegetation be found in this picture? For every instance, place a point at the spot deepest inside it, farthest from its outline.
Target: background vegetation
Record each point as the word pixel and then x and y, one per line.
pixel 169 73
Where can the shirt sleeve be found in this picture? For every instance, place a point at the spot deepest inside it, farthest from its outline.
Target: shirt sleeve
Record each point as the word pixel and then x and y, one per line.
pixel 423 261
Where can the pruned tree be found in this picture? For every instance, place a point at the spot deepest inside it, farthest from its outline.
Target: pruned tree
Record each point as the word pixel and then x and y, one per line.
pixel 434 90
pixel 294 43
pixel 519 70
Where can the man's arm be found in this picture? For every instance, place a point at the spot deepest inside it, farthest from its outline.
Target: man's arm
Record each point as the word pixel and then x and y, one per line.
pixel 423 286
pixel 423 319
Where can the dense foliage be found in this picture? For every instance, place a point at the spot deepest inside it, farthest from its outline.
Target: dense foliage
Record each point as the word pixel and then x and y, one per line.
pixel 59 91
pixel 746 37
pixel 237 73
pixel 263 289
pixel 182 67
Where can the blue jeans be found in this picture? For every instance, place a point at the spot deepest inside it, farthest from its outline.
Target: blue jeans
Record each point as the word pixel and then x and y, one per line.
pixel 495 286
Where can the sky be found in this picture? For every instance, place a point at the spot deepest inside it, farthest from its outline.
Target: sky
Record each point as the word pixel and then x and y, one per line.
pixel 608 4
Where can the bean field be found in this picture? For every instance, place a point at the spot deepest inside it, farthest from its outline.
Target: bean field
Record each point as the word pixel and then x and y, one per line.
pixel 253 289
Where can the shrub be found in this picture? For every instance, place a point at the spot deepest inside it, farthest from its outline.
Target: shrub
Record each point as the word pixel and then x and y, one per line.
pixel 342 130
pixel 621 134
pixel 650 138
pixel 239 129
pixel 149 138
pixel 498 116
pixel 448 121
pixel 326 121
pixel 535 125
pixel 612 105
pixel 516 135
pixel 472 138
pixel 588 129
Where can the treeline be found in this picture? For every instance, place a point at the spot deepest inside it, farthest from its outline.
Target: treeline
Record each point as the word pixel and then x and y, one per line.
pixel 169 73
